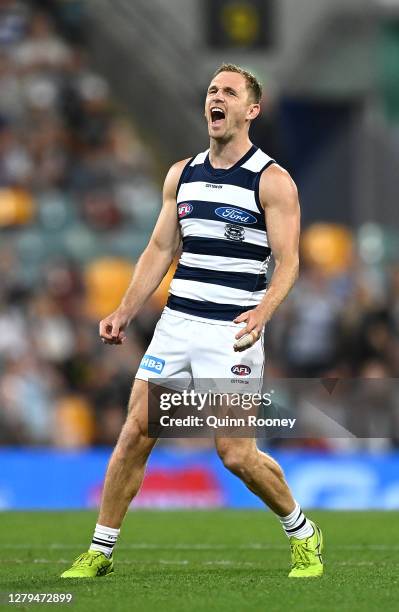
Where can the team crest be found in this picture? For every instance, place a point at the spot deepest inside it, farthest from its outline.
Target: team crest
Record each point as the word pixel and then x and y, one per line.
pixel 234 232
pixel 184 209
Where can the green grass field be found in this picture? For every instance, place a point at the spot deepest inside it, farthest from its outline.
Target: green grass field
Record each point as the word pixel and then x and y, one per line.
pixel 205 561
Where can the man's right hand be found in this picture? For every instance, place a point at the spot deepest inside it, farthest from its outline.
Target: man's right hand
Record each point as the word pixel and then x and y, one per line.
pixel 112 328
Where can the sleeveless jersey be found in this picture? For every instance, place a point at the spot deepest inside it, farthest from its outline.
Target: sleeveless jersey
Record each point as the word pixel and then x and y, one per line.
pixel 222 269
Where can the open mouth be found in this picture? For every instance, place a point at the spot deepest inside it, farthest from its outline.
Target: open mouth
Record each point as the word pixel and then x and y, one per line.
pixel 217 115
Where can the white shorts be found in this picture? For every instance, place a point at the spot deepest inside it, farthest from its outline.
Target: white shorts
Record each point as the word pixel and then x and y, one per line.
pixel 200 351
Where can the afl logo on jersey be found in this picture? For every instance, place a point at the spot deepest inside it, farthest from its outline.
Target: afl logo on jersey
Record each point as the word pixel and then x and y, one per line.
pixel 235 215
pixel 234 232
pixel 184 209
pixel 241 370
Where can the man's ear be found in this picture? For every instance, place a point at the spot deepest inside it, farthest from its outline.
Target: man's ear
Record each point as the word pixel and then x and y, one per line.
pixel 253 111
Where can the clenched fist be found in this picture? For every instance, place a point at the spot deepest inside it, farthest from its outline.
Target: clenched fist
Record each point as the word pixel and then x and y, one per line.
pixel 112 328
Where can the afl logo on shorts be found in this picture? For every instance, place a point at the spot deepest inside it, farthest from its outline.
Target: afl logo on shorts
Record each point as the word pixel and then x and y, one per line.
pixel 241 370
pixel 184 209
pixel 234 232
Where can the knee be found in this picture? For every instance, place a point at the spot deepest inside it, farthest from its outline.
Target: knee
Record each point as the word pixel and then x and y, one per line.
pixel 133 441
pixel 234 459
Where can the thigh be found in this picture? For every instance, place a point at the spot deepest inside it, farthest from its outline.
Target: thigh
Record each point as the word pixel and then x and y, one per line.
pixel 138 406
pixel 134 432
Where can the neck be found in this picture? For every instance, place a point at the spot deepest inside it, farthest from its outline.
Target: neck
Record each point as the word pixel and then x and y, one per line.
pixel 223 155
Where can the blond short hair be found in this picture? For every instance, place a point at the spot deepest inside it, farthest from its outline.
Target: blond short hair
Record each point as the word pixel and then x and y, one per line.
pixel 253 85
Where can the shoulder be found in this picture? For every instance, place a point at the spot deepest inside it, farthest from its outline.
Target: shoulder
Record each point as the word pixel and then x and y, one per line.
pixel 175 171
pixel 276 184
pixel 174 174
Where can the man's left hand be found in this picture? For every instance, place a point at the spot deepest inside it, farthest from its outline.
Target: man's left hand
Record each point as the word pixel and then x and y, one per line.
pixel 255 322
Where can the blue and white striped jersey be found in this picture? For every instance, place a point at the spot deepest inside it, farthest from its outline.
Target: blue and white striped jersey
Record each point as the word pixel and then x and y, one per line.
pixel 222 269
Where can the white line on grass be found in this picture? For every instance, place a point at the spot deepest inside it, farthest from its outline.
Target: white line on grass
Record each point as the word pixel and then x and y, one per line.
pixel 140 562
pixel 195 547
pixel 219 562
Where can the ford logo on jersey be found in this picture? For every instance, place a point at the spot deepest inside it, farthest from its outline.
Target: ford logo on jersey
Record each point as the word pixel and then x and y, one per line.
pixel 184 209
pixel 153 364
pixel 241 370
pixel 235 214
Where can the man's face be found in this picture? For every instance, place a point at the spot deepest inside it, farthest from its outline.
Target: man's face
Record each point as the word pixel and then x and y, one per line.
pixel 228 106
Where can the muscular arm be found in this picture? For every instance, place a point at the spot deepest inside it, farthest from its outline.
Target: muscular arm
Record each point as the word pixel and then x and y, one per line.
pixel 152 264
pixel 279 198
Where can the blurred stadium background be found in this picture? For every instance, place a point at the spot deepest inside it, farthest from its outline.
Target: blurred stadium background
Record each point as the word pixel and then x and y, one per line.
pixel 96 99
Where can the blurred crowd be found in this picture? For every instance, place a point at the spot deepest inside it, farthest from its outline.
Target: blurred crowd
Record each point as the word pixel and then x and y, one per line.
pixel 78 198
pixel 74 175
